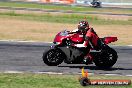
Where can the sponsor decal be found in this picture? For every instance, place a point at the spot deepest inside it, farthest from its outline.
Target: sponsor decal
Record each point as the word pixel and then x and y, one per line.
pixel 85 80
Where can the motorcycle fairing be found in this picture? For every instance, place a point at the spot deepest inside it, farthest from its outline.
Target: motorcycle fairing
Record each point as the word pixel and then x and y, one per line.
pixel 108 40
pixel 76 38
pixel 59 38
pixel 71 53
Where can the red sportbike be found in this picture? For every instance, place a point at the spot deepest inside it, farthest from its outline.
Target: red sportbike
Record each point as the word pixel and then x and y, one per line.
pixel 64 50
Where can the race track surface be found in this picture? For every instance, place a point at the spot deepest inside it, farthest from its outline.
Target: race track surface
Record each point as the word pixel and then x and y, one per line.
pixel 27 57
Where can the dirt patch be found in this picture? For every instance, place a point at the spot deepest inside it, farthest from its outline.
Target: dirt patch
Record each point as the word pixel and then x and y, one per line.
pixel 114 17
pixel 29 30
pixel 15 29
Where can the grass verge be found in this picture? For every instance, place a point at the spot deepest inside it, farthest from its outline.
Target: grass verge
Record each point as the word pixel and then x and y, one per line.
pixel 50 81
pixel 64 18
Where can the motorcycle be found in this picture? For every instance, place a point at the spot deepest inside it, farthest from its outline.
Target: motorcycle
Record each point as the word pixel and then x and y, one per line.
pixel 64 49
pixel 96 4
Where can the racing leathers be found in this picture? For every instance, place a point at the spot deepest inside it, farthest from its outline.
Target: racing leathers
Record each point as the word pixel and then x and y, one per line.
pixel 92 40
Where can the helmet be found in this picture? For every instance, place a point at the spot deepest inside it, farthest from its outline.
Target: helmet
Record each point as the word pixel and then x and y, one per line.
pixel 83 26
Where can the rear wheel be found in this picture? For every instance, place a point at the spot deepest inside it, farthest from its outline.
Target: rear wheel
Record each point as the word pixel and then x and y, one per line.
pixel 107 58
pixel 53 57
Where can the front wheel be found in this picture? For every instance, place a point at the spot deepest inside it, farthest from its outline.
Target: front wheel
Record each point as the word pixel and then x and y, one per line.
pixel 53 57
pixel 107 58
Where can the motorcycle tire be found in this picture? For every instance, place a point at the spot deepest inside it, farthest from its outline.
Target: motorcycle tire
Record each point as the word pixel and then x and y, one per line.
pixel 53 57
pixel 107 58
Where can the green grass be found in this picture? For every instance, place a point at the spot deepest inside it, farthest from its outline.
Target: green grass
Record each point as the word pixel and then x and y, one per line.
pixel 50 81
pixel 57 7
pixel 63 18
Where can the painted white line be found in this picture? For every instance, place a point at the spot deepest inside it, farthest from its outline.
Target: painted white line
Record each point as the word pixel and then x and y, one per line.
pixel 56 73
pixel 12 72
pixel 32 72
pixel 52 73
pixel 128 75
pixel 120 45
pixel 110 74
pixel 88 73
pixel 22 41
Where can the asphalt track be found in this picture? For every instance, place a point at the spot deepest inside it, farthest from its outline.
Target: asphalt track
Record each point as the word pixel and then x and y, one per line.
pixel 27 57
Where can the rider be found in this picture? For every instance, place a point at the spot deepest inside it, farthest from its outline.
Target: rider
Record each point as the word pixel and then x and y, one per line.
pixel 91 39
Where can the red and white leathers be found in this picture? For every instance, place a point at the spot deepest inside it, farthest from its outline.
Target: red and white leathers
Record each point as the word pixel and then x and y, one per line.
pixel 91 39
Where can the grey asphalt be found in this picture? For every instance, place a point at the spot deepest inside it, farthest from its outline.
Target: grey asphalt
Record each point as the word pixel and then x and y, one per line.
pixel 27 57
